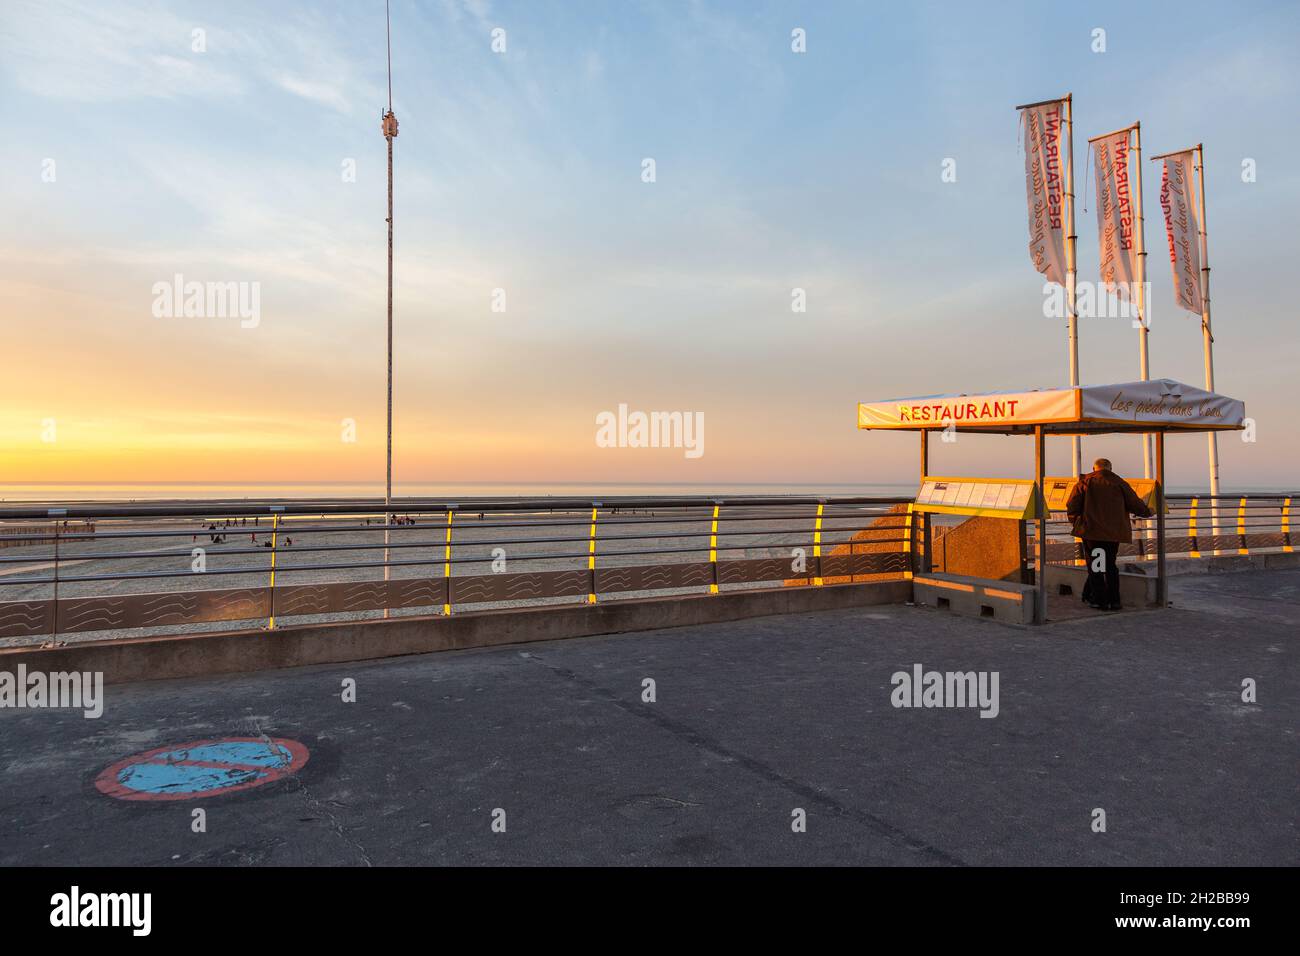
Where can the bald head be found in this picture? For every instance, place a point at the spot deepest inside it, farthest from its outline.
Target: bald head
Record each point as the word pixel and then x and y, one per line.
pixel 1101 464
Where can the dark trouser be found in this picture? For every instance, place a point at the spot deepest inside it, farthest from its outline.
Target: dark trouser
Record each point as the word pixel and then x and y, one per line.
pixel 1103 586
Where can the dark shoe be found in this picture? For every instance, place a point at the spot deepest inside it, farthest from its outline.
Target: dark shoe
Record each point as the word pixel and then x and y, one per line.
pixel 1114 607
pixel 1096 607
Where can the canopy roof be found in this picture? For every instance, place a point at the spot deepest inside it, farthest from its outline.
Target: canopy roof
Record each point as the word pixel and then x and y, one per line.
pixel 1152 406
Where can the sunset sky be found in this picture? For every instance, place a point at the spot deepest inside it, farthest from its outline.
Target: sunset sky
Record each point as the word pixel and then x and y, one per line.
pixel 522 171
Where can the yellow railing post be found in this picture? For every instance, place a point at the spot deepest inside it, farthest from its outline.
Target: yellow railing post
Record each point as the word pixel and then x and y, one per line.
pixel 275 526
pixel 1191 528
pixel 817 546
pixel 1242 548
pixel 1286 525
pixel 591 554
pixel 446 567
pixel 55 625
pixel 907 545
pixel 713 550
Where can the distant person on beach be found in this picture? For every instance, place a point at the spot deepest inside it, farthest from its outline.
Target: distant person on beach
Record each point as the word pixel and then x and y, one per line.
pixel 1099 508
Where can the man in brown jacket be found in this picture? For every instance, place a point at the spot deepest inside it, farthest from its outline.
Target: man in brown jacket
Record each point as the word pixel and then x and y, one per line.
pixel 1099 508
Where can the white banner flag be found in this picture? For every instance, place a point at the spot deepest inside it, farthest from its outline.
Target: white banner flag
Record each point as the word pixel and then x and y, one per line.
pixel 1045 189
pixel 1116 217
pixel 1183 229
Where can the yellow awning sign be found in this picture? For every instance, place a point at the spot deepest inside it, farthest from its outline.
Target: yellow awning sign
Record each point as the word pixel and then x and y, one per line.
pixel 1159 405
pixel 939 411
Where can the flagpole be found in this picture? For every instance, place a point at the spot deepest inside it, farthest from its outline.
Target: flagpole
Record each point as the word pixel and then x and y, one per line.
pixel 1071 257
pixel 1076 445
pixel 1144 361
pixel 1207 339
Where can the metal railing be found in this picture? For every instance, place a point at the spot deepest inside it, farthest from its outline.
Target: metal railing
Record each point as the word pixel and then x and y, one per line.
pixel 118 570
pixel 1196 526
pixel 108 570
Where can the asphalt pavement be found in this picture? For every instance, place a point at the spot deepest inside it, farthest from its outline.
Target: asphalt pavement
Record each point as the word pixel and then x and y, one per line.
pixel 553 754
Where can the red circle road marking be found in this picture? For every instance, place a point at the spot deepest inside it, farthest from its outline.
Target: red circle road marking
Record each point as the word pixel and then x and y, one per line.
pixel 108 783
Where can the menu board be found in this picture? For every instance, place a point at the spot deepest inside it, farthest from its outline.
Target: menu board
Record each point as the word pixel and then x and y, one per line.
pixel 1057 491
pixel 1012 498
pixel 1005 494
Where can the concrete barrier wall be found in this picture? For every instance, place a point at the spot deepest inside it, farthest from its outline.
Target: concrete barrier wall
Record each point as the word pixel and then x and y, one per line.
pixel 1135 590
pixel 1220 563
pixel 979 547
pixel 194 655
pixel 1007 602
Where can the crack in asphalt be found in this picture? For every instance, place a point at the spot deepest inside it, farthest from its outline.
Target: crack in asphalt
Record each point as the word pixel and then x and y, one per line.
pixel 704 742
pixel 316 805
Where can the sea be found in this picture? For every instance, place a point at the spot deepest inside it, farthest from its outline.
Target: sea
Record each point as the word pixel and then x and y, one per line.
pixel 316 490
pixel 224 491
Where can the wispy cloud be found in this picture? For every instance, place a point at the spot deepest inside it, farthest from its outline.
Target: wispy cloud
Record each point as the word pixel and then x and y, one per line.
pixel 323 93
pixel 96 52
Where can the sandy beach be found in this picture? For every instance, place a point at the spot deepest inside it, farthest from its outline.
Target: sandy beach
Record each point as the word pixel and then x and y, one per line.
pixel 126 556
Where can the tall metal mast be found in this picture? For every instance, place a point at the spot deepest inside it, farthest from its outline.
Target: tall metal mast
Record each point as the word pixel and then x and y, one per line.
pixel 389 127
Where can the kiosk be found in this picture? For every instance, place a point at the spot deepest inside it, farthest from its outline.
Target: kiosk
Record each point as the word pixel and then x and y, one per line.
pixel 1156 407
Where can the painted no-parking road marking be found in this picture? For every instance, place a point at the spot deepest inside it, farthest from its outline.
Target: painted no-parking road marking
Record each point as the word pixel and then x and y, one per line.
pixel 203 768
